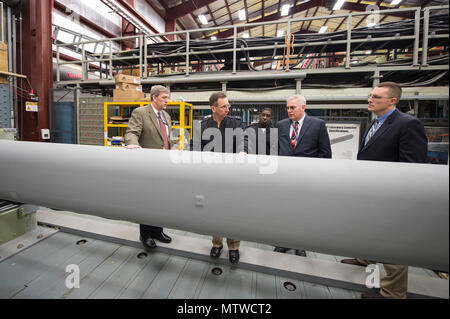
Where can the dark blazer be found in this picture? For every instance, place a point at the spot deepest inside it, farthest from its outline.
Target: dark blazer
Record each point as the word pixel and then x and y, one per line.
pixel 401 138
pixel 313 140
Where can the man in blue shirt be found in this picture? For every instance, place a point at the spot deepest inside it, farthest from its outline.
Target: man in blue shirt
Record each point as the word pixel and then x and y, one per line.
pixel 396 137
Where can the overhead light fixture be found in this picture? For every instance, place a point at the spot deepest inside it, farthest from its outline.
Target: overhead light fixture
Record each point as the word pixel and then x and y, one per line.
pixel 369 52
pixel 323 29
pixel 213 38
pixel 371 24
pixel 245 35
pixel 203 19
pixel 280 33
pixel 395 2
pixel 338 5
pixel 285 10
pixel 241 14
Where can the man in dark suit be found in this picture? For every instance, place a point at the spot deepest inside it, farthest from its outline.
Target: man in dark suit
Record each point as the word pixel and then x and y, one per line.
pixel 396 137
pixel 263 127
pixel 151 127
pixel 301 135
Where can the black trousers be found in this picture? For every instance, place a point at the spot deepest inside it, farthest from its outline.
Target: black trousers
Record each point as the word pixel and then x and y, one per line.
pixel 148 230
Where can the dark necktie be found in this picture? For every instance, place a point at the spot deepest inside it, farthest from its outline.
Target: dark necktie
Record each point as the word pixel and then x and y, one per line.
pixel 294 135
pixel 163 131
pixel 372 131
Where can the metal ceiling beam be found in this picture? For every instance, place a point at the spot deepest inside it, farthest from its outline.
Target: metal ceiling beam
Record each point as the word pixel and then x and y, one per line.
pixel 277 15
pixel 158 10
pixel 186 8
pixel 127 12
pixel 362 7
pixel 62 8
pixel 229 12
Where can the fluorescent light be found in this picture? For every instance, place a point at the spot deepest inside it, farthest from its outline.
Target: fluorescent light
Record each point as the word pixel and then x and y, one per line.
pixel 203 19
pixel 369 52
pixel 245 35
pixel 280 33
pixel 241 14
pixel 338 5
pixel 323 29
pixel 395 2
pixel 213 38
pixel 285 10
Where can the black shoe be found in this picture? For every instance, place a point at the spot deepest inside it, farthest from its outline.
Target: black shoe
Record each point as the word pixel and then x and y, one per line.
pixel 300 252
pixel 280 249
pixel 148 243
pixel 215 252
pixel 372 296
pixel 162 237
pixel 234 256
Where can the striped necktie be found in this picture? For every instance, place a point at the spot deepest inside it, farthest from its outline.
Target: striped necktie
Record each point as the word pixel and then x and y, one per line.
pixel 372 131
pixel 294 135
pixel 162 125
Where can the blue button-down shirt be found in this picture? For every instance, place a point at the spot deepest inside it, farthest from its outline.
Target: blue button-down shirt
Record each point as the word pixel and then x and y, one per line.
pixel 383 117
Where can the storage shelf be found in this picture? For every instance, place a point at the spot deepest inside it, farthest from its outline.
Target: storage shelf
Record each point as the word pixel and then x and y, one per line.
pixel 122 127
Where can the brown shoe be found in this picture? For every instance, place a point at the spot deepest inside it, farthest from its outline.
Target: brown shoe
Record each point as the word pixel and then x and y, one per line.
pixel 372 296
pixel 352 261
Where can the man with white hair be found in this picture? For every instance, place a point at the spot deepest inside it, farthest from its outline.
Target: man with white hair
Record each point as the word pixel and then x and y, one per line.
pixel 301 135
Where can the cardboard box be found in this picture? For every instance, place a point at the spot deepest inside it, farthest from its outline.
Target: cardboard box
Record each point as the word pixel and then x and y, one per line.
pixel 4 62
pixel 127 95
pixel 122 78
pixel 128 86
pixel 135 72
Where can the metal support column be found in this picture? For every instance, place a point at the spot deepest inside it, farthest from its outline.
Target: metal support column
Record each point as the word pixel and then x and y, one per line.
pixel 349 38
pixel 298 86
pixel 187 53
pixel 426 22
pixel 37 63
pixel 234 49
pixel 224 86
pixel 416 37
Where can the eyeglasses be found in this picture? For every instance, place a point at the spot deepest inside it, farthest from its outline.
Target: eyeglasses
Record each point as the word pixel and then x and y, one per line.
pixel 223 107
pixel 377 97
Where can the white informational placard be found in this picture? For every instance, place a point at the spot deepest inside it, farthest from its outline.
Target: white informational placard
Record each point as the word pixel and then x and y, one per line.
pixel 344 139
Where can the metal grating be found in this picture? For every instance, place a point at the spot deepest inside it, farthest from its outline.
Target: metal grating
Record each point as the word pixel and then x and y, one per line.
pixel 5 111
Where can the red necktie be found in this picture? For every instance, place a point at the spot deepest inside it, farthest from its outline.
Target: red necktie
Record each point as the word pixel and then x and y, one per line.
pixel 294 135
pixel 163 131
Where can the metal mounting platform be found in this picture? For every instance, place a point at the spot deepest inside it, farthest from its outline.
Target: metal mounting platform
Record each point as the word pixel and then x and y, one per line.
pixel 312 270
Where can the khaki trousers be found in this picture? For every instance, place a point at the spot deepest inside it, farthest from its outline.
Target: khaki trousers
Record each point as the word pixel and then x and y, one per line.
pixel 232 244
pixel 395 283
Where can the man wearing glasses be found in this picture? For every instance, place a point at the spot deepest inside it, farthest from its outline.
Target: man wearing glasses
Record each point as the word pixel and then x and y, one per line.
pixel 303 136
pixel 216 125
pixel 395 137
pixel 151 127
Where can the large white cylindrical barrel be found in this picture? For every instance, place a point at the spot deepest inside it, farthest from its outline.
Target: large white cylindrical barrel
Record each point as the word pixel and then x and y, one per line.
pixel 388 212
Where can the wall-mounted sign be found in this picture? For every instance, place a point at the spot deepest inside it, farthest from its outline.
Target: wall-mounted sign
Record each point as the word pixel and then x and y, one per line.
pixel 344 139
pixel 31 106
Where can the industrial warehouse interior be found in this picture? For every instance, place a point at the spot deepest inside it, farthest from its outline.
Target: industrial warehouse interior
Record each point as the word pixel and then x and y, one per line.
pixel 224 150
